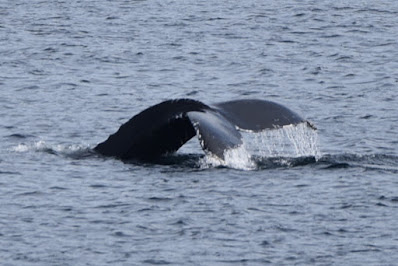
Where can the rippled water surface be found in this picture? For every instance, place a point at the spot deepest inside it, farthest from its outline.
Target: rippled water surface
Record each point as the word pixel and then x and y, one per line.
pixel 71 72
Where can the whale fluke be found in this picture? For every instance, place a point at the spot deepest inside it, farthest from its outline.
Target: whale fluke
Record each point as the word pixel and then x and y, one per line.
pixel 160 129
pixel 216 134
pixel 257 115
pixel 165 127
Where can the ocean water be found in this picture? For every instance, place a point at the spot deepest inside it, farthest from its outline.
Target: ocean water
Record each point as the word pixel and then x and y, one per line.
pixel 71 72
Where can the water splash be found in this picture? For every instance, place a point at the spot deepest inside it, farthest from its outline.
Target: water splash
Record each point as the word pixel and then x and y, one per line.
pixel 36 146
pixel 72 150
pixel 237 158
pixel 289 141
pixel 270 147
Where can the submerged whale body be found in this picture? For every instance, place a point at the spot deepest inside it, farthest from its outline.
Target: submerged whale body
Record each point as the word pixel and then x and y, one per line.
pixel 165 127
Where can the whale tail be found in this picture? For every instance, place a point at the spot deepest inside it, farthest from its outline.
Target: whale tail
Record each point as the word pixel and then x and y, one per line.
pixel 165 127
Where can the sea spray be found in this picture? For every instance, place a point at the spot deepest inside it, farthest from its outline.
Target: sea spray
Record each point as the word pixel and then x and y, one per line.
pixel 237 158
pixel 72 150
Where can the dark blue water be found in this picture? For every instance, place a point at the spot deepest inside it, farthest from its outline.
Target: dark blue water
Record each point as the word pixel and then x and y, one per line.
pixel 72 71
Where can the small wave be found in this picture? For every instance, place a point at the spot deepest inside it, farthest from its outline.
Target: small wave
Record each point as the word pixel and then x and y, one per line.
pixel 283 162
pixel 19 136
pixel 382 162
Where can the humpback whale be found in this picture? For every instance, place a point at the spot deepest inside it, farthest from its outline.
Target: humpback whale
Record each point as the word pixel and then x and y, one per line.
pixel 165 127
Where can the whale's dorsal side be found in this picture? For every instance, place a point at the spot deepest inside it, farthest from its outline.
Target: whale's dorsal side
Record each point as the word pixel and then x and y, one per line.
pixel 165 127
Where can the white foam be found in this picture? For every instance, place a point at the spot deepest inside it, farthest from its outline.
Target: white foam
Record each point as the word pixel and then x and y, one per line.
pixel 41 146
pixel 237 158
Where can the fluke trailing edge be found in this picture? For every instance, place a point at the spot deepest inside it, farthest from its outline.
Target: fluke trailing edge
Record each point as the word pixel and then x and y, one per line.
pixel 165 127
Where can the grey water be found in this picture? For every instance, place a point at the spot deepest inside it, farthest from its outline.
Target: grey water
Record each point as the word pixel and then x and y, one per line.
pixel 71 72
